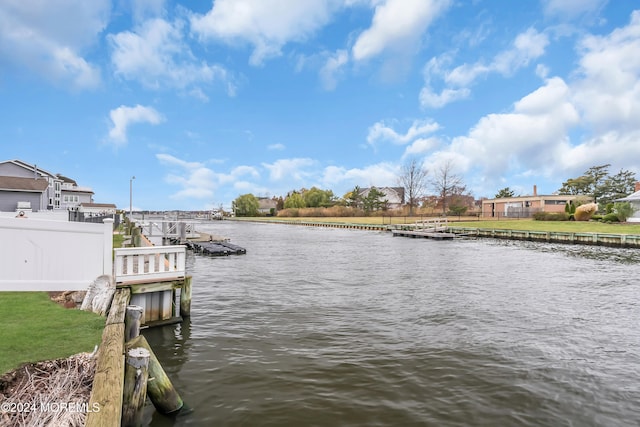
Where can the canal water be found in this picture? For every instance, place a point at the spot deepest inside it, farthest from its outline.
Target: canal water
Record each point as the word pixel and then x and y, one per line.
pixel 335 327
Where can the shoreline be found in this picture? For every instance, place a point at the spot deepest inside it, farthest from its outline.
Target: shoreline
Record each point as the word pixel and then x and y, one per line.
pixel 594 238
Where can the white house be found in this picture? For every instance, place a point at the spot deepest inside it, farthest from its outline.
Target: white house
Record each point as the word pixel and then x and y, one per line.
pixel 634 200
pixel 393 195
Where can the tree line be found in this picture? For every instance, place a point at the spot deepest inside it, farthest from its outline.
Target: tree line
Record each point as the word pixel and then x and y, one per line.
pixel 449 194
pixel 448 191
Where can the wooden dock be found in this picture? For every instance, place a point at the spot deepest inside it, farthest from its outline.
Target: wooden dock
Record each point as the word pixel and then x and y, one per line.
pixel 434 228
pixel 430 234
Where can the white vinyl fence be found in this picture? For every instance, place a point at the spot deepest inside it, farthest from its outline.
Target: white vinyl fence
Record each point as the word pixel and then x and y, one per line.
pixel 42 255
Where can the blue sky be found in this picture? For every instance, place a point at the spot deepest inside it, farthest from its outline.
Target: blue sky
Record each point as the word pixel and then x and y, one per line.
pixel 205 101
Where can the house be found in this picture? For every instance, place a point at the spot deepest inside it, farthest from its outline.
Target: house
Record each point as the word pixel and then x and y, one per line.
pixel 22 194
pixel 73 196
pixel 524 206
pixel 634 200
pixel 24 186
pixel 393 195
pixel 266 206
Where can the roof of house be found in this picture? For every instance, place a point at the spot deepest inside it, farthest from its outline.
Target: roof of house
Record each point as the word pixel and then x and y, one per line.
pixel 634 197
pixel 265 203
pixel 15 183
pixel 98 205
pixel 78 190
pixel 533 197
pixel 30 167
pixel 66 179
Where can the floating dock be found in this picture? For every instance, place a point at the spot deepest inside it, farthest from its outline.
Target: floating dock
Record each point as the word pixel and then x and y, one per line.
pixel 216 248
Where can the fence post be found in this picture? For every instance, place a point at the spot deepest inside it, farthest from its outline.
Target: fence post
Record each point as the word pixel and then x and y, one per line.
pixel 107 254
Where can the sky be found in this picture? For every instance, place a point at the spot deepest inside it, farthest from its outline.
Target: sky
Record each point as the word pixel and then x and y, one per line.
pixel 205 101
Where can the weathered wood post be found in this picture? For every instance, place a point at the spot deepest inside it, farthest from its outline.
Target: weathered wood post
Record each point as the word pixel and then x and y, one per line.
pixel 132 321
pixel 163 395
pixel 185 297
pixel 136 374
pixel 136 233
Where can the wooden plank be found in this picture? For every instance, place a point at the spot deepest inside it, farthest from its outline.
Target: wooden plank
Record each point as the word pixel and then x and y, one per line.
pixel 155 286
pixel 108 382
pixel 118 306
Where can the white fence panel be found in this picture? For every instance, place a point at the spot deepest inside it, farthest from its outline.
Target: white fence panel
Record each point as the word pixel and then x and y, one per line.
pixel 40 255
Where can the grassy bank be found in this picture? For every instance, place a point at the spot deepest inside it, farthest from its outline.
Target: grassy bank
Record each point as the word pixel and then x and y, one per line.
pixel 515 224
pixel 35 328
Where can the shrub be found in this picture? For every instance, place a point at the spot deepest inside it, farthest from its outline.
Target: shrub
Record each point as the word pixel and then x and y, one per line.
pixel 551 216
pixel 597 217
pixel 608 208
pixel 624 210
pixel 610 218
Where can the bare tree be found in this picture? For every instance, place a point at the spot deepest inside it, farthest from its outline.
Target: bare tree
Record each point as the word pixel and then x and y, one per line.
pixel 413 179
pixel 446 184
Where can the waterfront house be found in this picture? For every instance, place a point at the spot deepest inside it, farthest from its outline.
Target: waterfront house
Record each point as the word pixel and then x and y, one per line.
pixel 524 206
pixel 24 186
pixel 22 194
pixel 394 196
pixel 634 200
pixel 267 206
pixel 73 196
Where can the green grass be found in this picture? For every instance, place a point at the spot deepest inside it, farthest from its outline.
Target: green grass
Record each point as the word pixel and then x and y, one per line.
pixel 34 328
pixel 558 226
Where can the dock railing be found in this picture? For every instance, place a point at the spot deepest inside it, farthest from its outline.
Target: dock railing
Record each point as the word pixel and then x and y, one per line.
pixel 168 229
pixel 149 263
pixel 432 224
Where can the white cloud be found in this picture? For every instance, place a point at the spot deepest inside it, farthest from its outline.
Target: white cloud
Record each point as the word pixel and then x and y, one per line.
pixel 397 25
pixel 157 55
pixel 526 47
pixel 276 147
pixel 196 180
pixel 332 68
pixel 124 116
pixel 421 146
pixel 296 169
pixel 571 8
pixel 430 99
pixel 608 92
pixel 342 179
pixel 380 132
pixel 530 138
pixel 37 35
pixel 267 25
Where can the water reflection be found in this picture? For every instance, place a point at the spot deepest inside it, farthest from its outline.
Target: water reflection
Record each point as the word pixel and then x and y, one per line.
pixel 337 327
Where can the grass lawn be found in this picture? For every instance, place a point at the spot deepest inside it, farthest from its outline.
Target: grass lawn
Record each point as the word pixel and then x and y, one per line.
pixel 559 226
pixel 34 328
pixel 513 224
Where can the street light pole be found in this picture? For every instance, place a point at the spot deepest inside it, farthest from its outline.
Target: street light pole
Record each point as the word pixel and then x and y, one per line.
pixel 131 196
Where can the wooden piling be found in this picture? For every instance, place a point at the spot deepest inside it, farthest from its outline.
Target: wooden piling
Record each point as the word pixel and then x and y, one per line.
pixel 185 298
pixel 136 374
pixel 106 392
pixel 161 392
pixel 132 321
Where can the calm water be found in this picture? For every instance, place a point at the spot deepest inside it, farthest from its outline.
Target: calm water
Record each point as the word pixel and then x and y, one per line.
pixel 331 327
